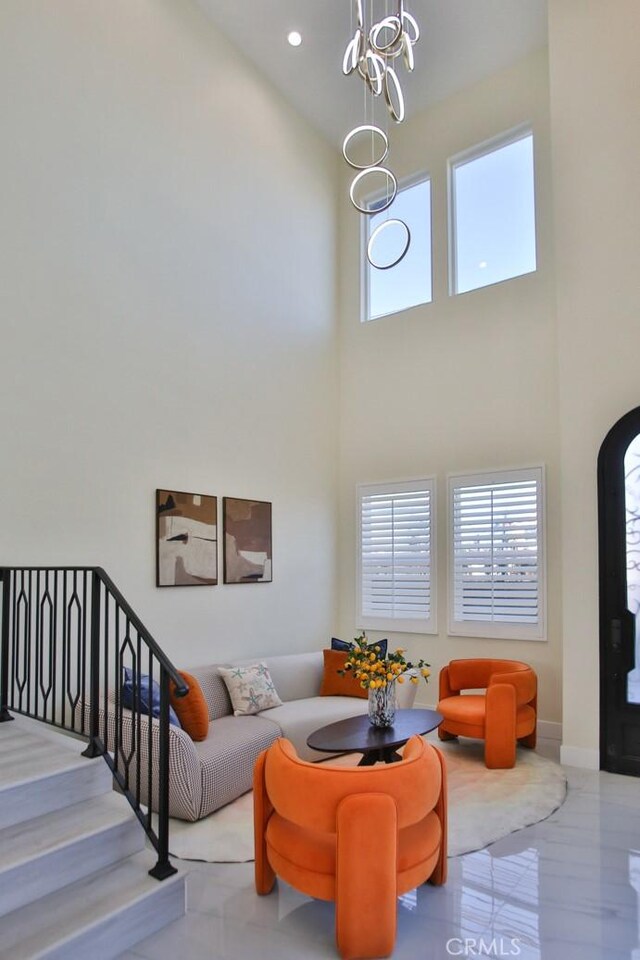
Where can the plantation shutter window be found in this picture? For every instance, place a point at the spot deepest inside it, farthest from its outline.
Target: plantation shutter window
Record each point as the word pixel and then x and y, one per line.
pixel 497 571
pixel 396 556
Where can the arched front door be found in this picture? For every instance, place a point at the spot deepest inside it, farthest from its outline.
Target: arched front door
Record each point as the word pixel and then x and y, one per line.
pixel 619 555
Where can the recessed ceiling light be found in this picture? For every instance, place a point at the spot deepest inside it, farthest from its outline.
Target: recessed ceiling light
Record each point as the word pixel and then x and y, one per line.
pixel 294 38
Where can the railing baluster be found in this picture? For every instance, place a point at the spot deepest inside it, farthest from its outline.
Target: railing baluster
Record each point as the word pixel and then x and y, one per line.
pixel 95 748
pixel 81 689
pixel 28 616
pixel 18 647
pixel 14 643
pixel 54 661
pixel 36 655
pixel 127 756
pixel 4 649
pixel 163 868
pixel 139 720
pixel 117 693
pixel 105 706
pixel 65 645
pixel 46 641
pixel 150 753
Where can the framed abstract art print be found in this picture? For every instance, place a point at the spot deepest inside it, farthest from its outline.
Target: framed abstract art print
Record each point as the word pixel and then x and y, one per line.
pixel 186 539
pixel 247 541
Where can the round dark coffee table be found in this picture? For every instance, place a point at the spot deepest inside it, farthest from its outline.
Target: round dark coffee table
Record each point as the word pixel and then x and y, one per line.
pixel 358 735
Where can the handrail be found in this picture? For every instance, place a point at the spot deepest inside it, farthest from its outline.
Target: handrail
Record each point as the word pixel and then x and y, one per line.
pixel 72 654
pixel 182 688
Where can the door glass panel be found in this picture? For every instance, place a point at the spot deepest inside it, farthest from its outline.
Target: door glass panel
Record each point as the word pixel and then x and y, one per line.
pixel 632 518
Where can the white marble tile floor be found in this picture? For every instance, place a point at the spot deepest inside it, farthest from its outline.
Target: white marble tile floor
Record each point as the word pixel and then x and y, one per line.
pixel 564 889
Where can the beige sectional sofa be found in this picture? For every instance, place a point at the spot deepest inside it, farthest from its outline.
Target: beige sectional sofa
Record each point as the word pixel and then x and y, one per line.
pixel 209 774
pixel 205 776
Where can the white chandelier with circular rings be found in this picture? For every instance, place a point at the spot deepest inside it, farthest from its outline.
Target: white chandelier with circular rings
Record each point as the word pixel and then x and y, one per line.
pixel 370 54
pixel 389 38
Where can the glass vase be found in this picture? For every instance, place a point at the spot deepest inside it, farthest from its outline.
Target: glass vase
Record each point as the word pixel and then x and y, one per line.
pixel 382 705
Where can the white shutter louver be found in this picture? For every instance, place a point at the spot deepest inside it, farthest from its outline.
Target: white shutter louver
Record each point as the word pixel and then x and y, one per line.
pixel 396 556
pixel 497 569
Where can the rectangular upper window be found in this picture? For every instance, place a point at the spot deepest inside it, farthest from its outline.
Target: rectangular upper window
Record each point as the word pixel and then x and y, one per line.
pixel 396 553
pixel 496 555
pixel 492 212
pixel 408 283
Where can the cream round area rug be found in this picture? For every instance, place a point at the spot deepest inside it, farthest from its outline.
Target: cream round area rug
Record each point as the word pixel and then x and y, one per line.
pixel 484 805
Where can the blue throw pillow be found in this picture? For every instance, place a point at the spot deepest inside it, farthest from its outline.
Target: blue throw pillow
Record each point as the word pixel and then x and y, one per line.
pixel 345 646
pixel 128 696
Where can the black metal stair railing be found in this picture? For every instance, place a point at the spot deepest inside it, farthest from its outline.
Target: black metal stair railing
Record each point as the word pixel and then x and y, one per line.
pixel 71 646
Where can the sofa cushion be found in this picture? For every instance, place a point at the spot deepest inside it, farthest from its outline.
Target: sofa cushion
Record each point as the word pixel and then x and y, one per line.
pixel 147 700
pixel 348 645
pixel 335 684
pixel 214 689
pixel 250 687
pixel 299 718
pixel 192 709
pixel 296 675
pixel 228 755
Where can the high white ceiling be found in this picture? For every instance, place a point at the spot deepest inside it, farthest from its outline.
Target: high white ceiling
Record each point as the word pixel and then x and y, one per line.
pixel 462 41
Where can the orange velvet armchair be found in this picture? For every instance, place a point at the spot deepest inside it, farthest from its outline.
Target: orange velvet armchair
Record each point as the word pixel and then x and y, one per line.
pixel 361 836
pixel 504 715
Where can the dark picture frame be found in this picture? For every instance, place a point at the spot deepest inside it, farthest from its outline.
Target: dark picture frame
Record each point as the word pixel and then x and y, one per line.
pixel 247 540
pixel 186 539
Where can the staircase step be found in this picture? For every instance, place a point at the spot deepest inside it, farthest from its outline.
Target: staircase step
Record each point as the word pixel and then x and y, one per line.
pixel 59 848
pixel 98 917
pixel 39 775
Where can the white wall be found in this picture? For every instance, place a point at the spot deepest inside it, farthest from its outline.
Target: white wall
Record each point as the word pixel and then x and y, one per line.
pixel 465 383
pixel 167 319
pixel 167 312
pixel 595 78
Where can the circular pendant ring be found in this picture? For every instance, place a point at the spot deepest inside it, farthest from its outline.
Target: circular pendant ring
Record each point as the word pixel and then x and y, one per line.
pixel 393 95
pixel 379 230
pixel 353 53
pixel 407 53
pixel 370 171
pixel 414 36
pixel 372 68
pixel 388 23
pixel 376 134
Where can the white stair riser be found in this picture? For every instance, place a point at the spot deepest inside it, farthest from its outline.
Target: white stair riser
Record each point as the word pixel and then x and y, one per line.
pixel 41 875
pixel 115 934
pixel 26 801
pixel 74 880
pixel 91 910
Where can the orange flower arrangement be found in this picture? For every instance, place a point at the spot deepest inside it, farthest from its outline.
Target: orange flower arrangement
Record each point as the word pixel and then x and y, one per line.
pixel 375 672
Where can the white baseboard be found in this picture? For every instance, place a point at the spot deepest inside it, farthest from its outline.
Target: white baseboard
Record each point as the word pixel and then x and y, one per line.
pixel 580 757
pixel 547 729
pixel 424 706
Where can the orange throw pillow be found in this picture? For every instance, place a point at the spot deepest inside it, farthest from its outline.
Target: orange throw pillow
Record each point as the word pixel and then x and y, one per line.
pixel 333 685
pixel 192 710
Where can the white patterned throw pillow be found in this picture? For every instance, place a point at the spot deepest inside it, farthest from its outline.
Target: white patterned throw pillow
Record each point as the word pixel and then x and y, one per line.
pixel 251 688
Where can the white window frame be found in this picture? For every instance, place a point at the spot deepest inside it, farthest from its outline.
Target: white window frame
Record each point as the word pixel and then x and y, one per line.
pixel 520 132
pixel 393 624
pixel 422 177
pixel 499 630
